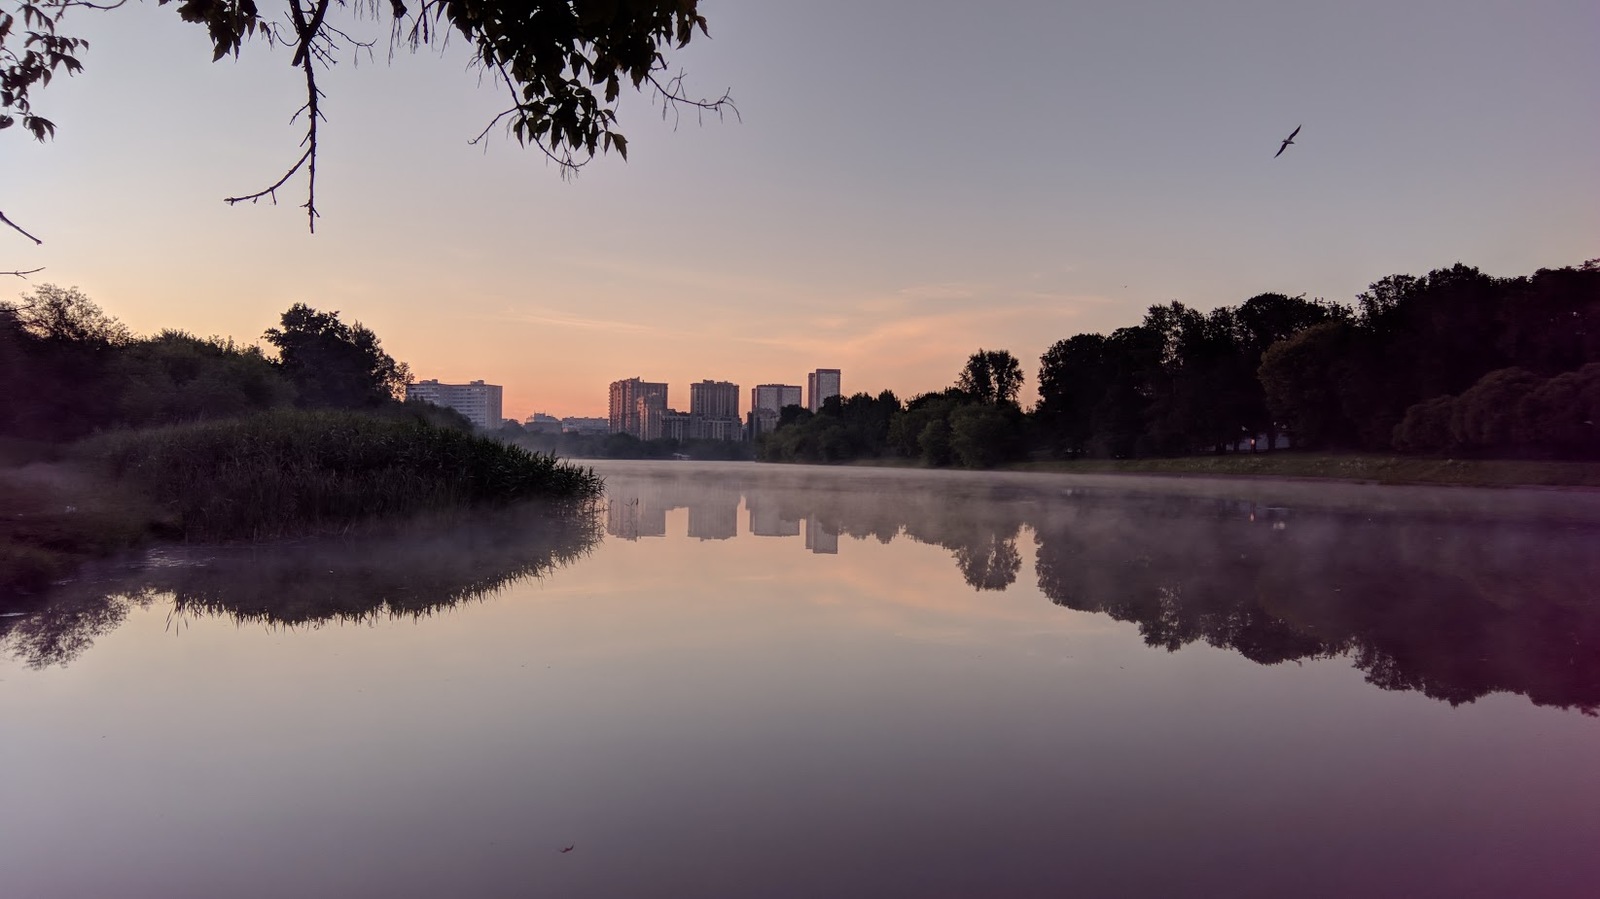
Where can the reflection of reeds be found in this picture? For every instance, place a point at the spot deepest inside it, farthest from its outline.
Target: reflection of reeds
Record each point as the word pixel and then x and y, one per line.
pixel 411 570
pixel 296 472
pixel 416 572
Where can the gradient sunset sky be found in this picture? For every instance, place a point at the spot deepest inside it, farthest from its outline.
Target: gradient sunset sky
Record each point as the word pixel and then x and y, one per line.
pixel 912 180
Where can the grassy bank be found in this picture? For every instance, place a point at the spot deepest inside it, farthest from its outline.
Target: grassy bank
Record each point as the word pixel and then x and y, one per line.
pixel 1347 466
pixel 276 474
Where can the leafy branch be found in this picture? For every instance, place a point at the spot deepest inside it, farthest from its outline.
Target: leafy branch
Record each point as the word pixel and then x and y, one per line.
pixel 563 63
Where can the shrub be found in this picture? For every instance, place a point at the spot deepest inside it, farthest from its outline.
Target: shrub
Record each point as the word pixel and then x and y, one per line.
pixel 1426 427
pixel 1563 414
pixel 1485 415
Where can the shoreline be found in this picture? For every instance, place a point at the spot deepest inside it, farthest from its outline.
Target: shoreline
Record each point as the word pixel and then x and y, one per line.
pixel 1324 468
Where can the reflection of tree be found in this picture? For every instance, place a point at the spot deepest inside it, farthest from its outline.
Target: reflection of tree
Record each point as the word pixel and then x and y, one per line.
pixel 1455 610
pixel 412 571
pixel 1453 607
pixel 990 564
pixel 64 630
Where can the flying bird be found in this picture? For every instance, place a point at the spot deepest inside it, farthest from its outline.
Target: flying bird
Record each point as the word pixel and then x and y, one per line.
pixel 570 848
pixel 1287 141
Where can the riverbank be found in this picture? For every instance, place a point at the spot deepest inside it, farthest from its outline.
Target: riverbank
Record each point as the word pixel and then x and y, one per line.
pixel 1358 467
pixel 278 474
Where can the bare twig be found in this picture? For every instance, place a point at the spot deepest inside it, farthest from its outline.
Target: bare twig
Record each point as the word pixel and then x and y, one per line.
pixel 305 57
pixel 19 230
pixel 23 274
pixel 671 93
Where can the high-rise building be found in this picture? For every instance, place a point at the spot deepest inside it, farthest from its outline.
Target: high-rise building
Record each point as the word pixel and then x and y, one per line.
pixel 625 397
pixel 674 424
pixel 478 401
pixel 766 403
pixel 821 384
pixel 714 411
pixel 650 410
pixel 714 399
pixel 774 397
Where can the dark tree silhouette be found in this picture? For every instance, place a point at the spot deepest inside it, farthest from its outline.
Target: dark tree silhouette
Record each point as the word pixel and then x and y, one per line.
pixel 991 376
pixel 332 364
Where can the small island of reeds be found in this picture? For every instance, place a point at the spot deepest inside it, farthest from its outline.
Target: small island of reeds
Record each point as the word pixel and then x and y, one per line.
pixel 113 441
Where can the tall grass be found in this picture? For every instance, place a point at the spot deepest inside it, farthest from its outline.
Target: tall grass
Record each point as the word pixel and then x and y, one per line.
pixel 295 472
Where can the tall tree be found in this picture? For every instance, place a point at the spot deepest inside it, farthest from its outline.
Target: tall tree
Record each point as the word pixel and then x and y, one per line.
pixel 991 376
pixel 334 364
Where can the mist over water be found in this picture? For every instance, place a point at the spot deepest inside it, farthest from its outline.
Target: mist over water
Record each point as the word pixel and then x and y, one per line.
pixel 778 680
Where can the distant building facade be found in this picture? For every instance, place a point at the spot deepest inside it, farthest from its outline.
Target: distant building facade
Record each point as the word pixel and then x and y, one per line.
pixel 714 410
pixel 628 402
pixel 676 425
pixel 573 424
pixel 650 412
pixel 774 397
pixel 766 405
pixel 540 423
pixel 714 399
pixel 821 384
pixel 479 402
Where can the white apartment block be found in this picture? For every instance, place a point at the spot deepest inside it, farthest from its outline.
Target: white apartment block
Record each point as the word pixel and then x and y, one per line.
pixel 478 401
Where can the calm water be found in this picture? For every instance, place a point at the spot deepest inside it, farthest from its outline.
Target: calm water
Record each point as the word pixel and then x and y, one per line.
pixel 783 681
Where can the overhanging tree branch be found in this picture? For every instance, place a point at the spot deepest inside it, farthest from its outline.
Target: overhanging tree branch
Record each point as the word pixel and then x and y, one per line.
pixel 18 229
pixel 564 62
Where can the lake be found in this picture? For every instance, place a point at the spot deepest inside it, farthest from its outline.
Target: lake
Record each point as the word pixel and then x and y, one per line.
pixel 745 680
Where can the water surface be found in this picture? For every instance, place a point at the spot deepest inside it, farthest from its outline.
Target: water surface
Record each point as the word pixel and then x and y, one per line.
pixel 744 680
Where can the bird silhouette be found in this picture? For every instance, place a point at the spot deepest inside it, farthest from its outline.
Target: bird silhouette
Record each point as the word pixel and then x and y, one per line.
pixel 570 848
pixel 1287 141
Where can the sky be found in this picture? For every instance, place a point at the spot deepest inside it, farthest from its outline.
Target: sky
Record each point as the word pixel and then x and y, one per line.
pixel 907 181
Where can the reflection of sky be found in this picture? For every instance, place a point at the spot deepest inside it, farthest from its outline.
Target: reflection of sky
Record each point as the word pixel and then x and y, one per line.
pixel 737 717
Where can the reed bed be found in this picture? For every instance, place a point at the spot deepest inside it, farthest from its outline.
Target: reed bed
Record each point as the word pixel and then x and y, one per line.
pixel 292 472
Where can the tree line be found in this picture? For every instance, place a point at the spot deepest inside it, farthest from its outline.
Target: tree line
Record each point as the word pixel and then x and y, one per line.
pixel 71 370
pixel 1455 361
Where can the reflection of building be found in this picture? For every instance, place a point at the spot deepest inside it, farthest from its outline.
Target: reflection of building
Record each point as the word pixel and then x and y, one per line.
pixel 709 520
pixel 766 520
pixel 821 384
pixel 632 517
pixel 626 398
pixel 478 401
pixel 821 538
